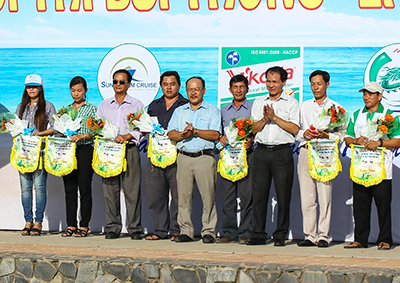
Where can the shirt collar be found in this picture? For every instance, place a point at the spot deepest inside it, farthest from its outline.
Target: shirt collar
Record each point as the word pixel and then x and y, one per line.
pixel 126 100
pixel 283 96
pixel 324 103
pixel 245 104
pixel 203 105
pixel 379 110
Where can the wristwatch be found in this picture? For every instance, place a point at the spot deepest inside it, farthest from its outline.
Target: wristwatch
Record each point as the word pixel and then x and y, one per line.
pixel 195 133
pixel 381 142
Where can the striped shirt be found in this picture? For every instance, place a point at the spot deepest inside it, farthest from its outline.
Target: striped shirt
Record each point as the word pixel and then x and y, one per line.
pixel 86 111
pixel 29 115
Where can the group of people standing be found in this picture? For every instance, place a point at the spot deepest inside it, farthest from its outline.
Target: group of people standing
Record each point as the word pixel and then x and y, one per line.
pixel 196 126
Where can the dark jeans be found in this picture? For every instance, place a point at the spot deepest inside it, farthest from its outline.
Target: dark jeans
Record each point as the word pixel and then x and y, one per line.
pixel 362 201
pixel 80 179
pixel 278 165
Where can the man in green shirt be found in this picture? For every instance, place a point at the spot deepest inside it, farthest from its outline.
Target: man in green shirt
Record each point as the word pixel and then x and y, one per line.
pixel 382 192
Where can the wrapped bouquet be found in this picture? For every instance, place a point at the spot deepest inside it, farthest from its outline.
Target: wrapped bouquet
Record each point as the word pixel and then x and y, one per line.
pixel 331 119
pixel 380 125
pixel 65 121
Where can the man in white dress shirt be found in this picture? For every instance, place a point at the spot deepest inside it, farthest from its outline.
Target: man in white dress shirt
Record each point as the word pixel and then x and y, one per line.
pixel 276 117
pixel 313 192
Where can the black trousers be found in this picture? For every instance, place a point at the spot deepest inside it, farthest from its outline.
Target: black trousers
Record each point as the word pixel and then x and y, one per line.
pixel 362 201
pixel 80 179
pixel 278 165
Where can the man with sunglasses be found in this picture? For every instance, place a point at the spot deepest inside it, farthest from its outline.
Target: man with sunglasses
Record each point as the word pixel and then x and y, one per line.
pixel 116 109
pixel 195 127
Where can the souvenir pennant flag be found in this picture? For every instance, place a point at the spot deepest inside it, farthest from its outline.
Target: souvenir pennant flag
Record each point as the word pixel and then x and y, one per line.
pixel 323 160
pixel 25 153
pixel 233 162
pixel 161 150
pixel 108 158
pixel 60 159
pixel 367 166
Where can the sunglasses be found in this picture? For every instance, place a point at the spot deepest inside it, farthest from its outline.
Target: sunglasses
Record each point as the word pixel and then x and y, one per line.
pixel 120 82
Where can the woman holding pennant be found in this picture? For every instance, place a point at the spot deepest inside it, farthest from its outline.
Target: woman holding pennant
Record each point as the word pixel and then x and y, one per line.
pixel 37 112
pixel 80 178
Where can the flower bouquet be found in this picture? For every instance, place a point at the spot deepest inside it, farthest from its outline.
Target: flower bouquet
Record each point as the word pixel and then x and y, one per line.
pixel 65 121
pixel 237 130
pixel 379 126
pixel 146 124
pixel 68 110
pixel 102 127
pixel 5 118
pixel 331 119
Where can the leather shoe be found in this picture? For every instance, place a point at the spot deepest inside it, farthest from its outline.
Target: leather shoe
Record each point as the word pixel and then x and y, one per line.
pixel 183 239
pixel 306 243
pixel 279 243
pixel 208 239
pixel 225 240
pixel 136 236
pixel 256 241
pixel 323 244
pixel 243 240
pixel 112 235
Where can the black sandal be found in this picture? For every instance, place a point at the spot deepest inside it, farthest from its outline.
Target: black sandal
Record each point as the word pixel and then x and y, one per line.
pixel 69 232
pixel 26 231
pixel 36 231
pixel 82 233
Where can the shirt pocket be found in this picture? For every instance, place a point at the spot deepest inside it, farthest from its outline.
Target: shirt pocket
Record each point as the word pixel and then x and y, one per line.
pixel 202 123
pixel 283 114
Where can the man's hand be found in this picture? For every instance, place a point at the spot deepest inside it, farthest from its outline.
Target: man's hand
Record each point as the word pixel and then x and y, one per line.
pixel 122 138
pixel 224 140
pixel 270 112
pixel 248 142
pixel 372 145
pixel 188 131
pixel 309 134
pixel 265 113
pixel 322 134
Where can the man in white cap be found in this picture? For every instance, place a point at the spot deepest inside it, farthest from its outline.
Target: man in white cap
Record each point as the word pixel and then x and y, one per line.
pixel 382 192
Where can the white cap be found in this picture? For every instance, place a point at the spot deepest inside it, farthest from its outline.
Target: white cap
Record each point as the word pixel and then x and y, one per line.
pixel 372 87
pixel 33 80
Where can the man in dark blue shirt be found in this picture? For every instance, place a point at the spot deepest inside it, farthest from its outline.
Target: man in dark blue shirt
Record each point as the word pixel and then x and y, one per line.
pixel 160 182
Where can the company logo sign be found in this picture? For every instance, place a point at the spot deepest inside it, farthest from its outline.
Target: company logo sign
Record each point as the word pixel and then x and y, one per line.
pixel 232 58
pixel 384 68
pixel 142 65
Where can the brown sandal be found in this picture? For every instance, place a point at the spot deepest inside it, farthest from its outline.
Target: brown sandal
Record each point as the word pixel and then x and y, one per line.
pixel 383 246
pixel 354 245
pixel 174 237
pixel 82 232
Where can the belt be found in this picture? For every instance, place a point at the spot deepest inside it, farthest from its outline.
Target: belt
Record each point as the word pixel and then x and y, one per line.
pixel 273 147
pixel 130 145
pixel 197 153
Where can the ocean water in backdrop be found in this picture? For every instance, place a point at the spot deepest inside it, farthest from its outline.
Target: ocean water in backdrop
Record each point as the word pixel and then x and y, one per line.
pixel 57 66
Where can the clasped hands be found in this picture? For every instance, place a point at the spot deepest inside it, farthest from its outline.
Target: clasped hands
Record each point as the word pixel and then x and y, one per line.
pixel 188 131
pixel 269 113
pixel 368 144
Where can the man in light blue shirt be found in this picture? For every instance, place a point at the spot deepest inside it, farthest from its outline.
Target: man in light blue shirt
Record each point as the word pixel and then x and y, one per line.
pixel 195 126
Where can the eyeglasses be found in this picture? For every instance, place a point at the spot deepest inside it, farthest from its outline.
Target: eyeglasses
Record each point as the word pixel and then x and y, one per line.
pixel 197 89
pixel 120 82
pixel 32 86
